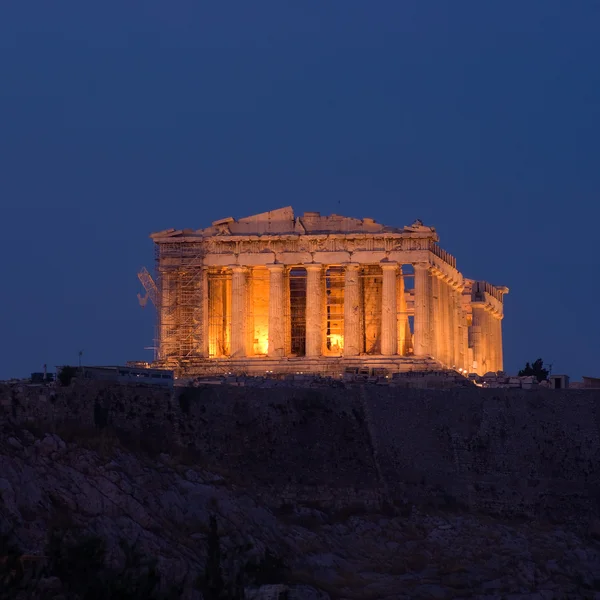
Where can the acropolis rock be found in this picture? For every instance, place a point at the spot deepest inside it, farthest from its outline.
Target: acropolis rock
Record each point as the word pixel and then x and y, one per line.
pixel 276 293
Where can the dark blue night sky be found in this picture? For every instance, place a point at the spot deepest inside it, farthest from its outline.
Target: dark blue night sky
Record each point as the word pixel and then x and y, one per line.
pixel 123 118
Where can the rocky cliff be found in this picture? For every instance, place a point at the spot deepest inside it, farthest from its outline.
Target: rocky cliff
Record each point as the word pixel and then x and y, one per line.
pixel 365 492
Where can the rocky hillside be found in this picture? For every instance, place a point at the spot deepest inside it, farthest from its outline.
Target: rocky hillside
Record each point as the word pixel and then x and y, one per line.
pixel 302 494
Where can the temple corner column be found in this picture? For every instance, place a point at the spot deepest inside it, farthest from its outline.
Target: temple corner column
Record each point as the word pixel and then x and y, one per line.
pixel 499 350
pixel 422 325
pixel 491 339
pixel 477 333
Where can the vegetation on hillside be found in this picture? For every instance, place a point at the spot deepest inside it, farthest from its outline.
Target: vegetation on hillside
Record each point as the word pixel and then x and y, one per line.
pixel 74 567
pixel 536 370
pixel 66 375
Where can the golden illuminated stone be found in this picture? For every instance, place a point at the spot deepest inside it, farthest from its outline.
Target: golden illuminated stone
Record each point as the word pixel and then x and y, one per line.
pixel 279 293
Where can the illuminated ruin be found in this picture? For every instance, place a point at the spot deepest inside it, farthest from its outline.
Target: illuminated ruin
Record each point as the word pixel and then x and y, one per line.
pixel 317 294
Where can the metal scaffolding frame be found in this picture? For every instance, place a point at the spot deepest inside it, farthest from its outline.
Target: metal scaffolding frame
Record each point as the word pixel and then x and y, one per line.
pixel 179 284
pixel 219 312
pixel 187 298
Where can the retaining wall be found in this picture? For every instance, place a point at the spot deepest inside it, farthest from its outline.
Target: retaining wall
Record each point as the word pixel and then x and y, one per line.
pixel 511 452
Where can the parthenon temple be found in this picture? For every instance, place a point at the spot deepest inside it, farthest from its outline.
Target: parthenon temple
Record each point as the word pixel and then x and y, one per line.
pixel 279 293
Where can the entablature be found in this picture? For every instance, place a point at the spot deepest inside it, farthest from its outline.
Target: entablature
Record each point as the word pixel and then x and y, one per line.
pixel 294 250
pixel 491 297
pixel 310 243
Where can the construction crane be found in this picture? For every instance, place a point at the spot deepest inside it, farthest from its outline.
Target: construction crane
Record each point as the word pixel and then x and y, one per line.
pixel 150 287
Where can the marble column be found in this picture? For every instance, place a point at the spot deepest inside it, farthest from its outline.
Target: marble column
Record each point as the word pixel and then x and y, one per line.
pixel 403 325
pixel 238 312
pixel 314 301
pixel 450 308
pixel 351 311
pixel 249 321
pixel 422 310
pixel 448 344
pixel 389 310
pixel 436 317
pixel 499 351
pixel 477 333
pixel 458 325
pixel 491 340
pixel 497 327
pixel 486 337
pixel 276 311
pixel 467 353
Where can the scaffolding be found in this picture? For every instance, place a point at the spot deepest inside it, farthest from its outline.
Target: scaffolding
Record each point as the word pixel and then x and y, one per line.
pixel 180 286
pixel 219 312
pixel 194 305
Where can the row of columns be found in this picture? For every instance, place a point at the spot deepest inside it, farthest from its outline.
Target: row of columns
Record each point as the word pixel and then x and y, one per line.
pixel 314 272
pixel 441 328
pixel 486 338
pixel 440 323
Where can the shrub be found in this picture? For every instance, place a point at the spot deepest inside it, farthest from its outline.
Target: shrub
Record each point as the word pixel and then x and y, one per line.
pixel 66 374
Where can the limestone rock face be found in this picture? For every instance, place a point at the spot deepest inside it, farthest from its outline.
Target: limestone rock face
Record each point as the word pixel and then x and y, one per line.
pixel 163 505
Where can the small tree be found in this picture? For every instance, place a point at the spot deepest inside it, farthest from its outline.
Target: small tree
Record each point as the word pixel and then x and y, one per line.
pixel 536 370
pixel 66 374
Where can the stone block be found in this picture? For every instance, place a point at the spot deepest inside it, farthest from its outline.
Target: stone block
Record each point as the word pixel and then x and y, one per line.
pixel 220 260
pixel 368 256
pixel 256 259
pixel 294 258
pixel 331 258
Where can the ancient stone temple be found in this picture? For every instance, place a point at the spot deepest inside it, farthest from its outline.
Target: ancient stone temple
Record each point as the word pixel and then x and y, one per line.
pixel 277 292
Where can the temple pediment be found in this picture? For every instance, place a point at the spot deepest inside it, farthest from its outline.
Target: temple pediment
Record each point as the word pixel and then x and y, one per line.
pixel 283 221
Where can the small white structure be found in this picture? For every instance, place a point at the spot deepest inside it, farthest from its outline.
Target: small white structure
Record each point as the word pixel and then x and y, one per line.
pixel 559 382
